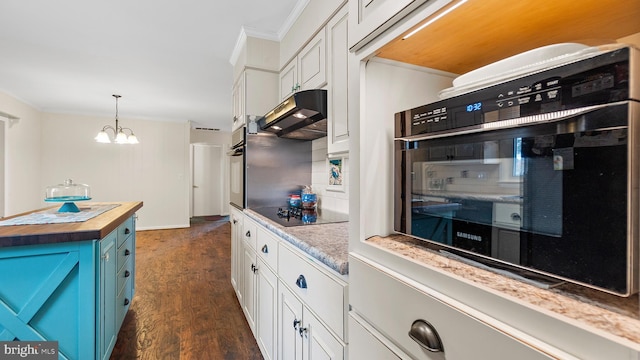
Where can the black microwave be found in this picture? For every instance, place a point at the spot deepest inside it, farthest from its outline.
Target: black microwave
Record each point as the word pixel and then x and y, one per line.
pixel 537 175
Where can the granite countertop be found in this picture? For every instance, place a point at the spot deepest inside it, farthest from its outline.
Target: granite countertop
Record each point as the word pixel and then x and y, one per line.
pixel 612 314
pixel 94 228
pixel 328 243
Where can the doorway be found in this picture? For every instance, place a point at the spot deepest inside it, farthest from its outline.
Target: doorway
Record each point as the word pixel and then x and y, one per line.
pixel 208 175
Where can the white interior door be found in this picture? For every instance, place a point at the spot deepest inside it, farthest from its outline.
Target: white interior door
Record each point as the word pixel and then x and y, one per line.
pixel 207 179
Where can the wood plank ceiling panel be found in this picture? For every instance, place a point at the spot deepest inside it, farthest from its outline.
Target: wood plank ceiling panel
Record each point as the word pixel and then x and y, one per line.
pixel 480 32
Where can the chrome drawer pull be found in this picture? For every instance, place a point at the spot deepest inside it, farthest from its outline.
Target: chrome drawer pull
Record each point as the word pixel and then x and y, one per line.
pixel 426 336
pixel 127 231
pixel 127 273
pixel 126 302
pixel 127 252
pixel 301 282
pixel 248 234
pixel 265 249
pixel 296 322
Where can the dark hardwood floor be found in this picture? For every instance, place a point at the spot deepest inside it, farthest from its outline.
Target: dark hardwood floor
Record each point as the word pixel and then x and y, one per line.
pixel 184 306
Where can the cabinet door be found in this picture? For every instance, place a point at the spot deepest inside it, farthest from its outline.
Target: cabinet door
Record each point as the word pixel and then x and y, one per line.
pixel 364 345
pixel 236 253
pixel 370 18
pixel 289 79
pixel 318 343
pixel 289 325
pixel 312 69
pixel 249 286
pixel 237 99
pixel 267 312
pixel 338 88
pixel 260 93
pixel 108 283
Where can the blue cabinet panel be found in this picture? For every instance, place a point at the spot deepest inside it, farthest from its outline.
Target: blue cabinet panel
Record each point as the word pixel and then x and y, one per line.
pixel 75 293
pixel 47 293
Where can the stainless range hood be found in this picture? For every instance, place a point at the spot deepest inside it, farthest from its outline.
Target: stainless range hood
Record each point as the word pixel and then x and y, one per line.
pixel 302 116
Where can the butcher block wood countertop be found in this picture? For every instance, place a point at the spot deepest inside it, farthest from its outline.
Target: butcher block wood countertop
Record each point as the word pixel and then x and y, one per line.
pixel 94 228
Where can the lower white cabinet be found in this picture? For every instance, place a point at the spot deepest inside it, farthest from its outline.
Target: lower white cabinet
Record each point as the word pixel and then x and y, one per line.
pixel 249 293
pixel 235 219
pixel 302 335
pixel 398 307
pixel 363 344
pixel 267 311
pixel 295 308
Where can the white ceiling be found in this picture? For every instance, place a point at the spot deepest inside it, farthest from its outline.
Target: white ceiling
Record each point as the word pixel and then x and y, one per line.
pixel 168 59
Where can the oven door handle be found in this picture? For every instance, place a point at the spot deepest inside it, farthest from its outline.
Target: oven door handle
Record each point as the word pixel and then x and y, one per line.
pixel 239 151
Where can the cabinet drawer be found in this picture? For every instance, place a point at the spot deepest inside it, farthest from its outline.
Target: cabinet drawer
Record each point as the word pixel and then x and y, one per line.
pixel 125 251
pixel 507 215
pixel 322 294
pixel 125 230
pixel 124 275
pixel 392 305
pixel 250 232
pixel 268 248
pixel 123 302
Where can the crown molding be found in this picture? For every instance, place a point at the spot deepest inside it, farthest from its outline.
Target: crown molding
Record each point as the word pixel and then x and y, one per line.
pixel 246 31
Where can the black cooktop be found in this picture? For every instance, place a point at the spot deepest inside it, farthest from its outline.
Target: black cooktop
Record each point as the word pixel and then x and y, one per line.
pixel 298 217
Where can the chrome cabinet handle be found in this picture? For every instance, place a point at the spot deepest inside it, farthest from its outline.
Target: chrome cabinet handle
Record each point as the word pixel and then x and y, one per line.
pixel 301 282
pixel 235 221
pixel 265 249
pixel 248 234
pixel 303 331
pixel 515 217
pixel 296 322
pixel 126 302
pixel 426 336
pixel 127 231
pixel 127 252
pixel 127 273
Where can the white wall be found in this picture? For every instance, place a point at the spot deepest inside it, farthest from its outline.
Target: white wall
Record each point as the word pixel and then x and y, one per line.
pixel 390 87
pixel 22 150
pixel 156 171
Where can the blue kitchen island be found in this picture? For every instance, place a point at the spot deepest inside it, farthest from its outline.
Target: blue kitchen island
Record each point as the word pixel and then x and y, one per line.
pixel 68 281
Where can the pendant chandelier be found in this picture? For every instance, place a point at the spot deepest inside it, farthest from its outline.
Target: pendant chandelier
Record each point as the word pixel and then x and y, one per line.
pixel 119 135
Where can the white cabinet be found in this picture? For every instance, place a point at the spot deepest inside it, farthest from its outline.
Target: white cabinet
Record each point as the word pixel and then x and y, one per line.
pixel 295 307
pixel 315 288
pixel 235 218
pixel 249 294
pixel 267 293
pixel 461 335
pixel 370 18
pixel 363 344
pixel 267 311
pixel 338 89
pixel 254 93
pixel 302 334
pixel 308 70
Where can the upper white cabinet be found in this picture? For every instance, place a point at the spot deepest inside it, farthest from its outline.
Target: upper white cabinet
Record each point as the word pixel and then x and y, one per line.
pixel 337 90
pixel 253 94
pixel 370 18
pixel 308 70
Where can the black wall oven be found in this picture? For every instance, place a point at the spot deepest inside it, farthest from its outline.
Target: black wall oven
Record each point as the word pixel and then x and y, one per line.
pixel 539 173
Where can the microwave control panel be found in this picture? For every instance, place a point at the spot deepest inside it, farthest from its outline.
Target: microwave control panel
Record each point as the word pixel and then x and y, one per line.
pixel 597 80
